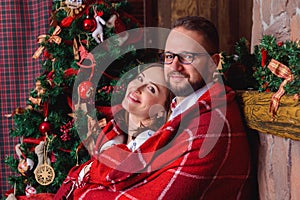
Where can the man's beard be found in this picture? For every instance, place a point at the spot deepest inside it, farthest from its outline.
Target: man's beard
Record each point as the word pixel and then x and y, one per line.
pixel 186 89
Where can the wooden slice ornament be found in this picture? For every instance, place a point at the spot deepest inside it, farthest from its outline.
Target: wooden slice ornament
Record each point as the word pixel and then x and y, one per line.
pixel 44 173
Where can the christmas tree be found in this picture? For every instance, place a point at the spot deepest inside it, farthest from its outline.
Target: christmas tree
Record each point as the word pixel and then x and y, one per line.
pixel 49 141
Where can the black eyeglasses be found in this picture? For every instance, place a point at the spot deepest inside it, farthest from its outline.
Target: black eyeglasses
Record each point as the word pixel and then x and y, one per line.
pixel 184 57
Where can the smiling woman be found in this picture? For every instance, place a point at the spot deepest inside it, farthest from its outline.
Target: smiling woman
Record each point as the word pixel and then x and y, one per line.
pixel 146 100
pixel 148 89
pixel 144 110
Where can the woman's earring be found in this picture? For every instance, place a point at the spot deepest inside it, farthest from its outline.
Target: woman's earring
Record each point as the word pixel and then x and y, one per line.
pixel 157 111
pixel 161 114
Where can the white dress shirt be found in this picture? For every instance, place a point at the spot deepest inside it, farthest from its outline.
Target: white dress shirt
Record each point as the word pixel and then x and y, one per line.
pixel 132 145
pixel 188 101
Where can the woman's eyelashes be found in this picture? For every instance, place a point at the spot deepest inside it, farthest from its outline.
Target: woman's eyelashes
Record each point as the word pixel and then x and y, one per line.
pixel 151 88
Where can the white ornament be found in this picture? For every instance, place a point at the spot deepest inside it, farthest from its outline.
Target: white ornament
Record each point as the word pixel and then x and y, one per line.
pixel 74 3
pixel 98 32
pixel 11 197
pixel 25 164
pixel 39 151
pixel 29 190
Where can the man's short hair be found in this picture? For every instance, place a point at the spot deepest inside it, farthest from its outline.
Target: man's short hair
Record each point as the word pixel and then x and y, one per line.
pixel 202 25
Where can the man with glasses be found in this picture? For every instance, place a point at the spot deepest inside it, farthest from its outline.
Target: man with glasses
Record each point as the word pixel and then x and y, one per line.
pixel 222 168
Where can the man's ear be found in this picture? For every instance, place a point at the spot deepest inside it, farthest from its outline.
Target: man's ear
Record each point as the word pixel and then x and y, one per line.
pixel 213 63
pixel 216 58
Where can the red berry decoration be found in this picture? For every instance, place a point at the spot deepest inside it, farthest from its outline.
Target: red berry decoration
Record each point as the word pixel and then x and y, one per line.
pixel 44 127
pixel 85 89
pixel 46 54
pixel 89 24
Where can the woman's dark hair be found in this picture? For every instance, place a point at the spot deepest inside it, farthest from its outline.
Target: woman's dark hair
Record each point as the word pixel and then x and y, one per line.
pixel 202 25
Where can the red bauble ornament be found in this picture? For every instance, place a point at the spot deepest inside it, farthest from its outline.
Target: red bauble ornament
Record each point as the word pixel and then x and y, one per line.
pixel 44 127
pixel 89 24
pixel 85 89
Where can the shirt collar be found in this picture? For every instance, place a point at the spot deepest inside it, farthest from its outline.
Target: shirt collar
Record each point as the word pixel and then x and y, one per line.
pixel 187 101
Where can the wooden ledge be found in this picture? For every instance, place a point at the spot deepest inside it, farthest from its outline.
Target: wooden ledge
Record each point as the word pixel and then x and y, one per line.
pixel 255 107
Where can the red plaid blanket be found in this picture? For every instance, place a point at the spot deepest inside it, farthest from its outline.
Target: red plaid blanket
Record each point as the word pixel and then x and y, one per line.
pixel 190 157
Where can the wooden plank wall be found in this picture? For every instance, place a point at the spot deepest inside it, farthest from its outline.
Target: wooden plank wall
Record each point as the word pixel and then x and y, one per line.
pixel 233 18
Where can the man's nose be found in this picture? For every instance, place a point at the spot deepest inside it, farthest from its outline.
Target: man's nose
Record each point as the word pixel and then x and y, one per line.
pixel 176 64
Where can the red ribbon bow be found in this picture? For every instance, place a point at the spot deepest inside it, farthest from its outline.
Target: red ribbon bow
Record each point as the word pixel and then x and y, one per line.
pixel 42 38
pixel 281 71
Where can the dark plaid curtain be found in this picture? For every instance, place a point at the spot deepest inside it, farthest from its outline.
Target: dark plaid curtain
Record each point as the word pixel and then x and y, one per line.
pixel 22 21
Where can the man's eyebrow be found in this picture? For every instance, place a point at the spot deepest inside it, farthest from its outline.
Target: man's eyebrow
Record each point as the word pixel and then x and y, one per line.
pixel 142 74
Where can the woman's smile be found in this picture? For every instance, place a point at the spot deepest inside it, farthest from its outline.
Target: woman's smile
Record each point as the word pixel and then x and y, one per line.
pixel 133 98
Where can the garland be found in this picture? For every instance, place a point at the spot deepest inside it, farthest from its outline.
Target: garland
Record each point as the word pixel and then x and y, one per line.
pixel 245 70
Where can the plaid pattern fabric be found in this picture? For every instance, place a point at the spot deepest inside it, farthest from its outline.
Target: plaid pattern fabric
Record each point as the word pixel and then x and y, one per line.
pixel 189 157
pixel 22 21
